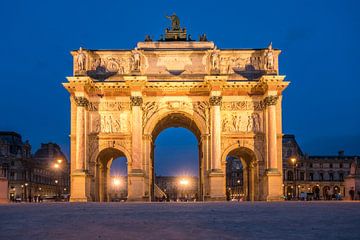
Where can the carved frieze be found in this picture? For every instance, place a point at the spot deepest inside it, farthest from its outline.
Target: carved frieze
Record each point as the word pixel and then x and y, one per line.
pixel 110 123
pixel 149 109
pixel 215 100
pixel 243 105
pixel 202 108
pixel 241 122
pixel 109 106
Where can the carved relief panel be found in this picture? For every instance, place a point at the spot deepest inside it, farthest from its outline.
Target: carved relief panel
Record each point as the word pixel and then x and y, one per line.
pixel 110 117
pixel 242 116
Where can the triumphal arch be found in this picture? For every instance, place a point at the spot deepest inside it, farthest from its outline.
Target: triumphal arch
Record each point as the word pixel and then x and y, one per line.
pixel 229 98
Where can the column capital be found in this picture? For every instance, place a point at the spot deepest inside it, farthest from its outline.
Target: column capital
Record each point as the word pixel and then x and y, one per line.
pixel 271 100
pixel 136 101
pixel 81 101
pixel 215 100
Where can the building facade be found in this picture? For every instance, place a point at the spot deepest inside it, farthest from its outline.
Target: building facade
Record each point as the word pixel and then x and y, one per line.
pixel 320 177
pixel 231 99
pixel 32 177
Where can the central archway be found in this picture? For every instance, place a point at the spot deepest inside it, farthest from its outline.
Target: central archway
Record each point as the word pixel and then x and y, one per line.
pixel 177 120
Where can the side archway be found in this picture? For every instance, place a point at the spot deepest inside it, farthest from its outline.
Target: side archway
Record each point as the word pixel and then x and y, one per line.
pixel 102 172
pixel 249 182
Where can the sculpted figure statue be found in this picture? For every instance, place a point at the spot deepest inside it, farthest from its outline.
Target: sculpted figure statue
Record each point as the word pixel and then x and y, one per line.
pixel 269 58
pixel 81 59
pixel 136 60
pixel 175 22
pixel 256 122
pixel 215 60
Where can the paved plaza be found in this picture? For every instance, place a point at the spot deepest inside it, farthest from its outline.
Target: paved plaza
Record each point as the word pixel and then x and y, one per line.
pixel 229 220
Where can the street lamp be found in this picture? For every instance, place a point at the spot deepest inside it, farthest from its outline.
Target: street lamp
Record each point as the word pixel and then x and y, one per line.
pixel 293 160
pixel 184 182
pixel 238 182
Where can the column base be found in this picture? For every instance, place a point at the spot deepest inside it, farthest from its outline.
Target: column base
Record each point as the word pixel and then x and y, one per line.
pixel 136 186
pixel 79 187
pixel 217 188
pixel 273 189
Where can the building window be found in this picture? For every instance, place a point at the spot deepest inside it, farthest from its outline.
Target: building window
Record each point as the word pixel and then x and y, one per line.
pixel 302 176
pixel 311 176
pixel 341 165
pixel 331 166
pixel 12 163
pixel 331 176
pixel 290 176
pixel 321 176
pixel 310 165
pixel 341 176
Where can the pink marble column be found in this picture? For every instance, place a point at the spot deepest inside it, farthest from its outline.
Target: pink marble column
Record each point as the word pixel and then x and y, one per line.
pixel 136 102
pixel 215 102
pixel 81 103
pixel 270 102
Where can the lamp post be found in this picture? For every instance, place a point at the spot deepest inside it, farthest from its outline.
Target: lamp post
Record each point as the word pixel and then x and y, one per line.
pixel 57 167
pixel 238 183
pixel 184 183
pixel 293 160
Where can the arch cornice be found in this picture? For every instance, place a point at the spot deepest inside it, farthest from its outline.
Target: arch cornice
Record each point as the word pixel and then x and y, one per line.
pixel 162 113
pixel 246 147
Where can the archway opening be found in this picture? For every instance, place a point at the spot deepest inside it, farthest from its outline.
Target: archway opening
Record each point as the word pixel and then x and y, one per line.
pixel 240 175
pixel 176 160
pixel 111 176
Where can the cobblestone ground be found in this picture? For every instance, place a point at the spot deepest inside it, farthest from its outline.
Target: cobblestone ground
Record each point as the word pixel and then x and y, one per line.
pixel 231 220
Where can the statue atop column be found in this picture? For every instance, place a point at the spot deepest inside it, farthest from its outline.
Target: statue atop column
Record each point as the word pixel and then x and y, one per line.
pixel 175 33
pixel 269 58
pixel 135 61
pixel 175 22
pixel 81 60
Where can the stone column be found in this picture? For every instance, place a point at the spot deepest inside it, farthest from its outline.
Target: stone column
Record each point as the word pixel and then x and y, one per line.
pixel 215 103
pixel 81 103
pixel 137 191
pixel 270 102
pixel 79 181
pixel 136 175
pixel 273 180
pixel 136 138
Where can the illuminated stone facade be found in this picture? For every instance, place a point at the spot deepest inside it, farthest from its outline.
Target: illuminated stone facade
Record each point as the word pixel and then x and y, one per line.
pixel 32 175
pixel 122 99
pixel 320 177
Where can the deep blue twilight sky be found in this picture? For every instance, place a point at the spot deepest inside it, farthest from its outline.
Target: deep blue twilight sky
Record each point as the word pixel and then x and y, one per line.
pixel 319 39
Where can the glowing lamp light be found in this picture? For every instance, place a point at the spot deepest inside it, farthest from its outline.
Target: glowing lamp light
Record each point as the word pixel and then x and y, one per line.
pixel 293 160
pixel 59 161
pixel 116 182
pixel 56 165
pixel 184 182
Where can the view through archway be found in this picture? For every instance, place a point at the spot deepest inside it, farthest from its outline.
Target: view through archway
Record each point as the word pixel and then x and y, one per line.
pixel 176 160
pixel 111 176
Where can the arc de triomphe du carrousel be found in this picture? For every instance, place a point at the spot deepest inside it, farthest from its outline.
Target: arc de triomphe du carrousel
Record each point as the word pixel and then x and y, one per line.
pixel 229 98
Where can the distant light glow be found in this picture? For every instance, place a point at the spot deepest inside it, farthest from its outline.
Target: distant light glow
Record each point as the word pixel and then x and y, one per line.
pixel 184 181
pixel 116 181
